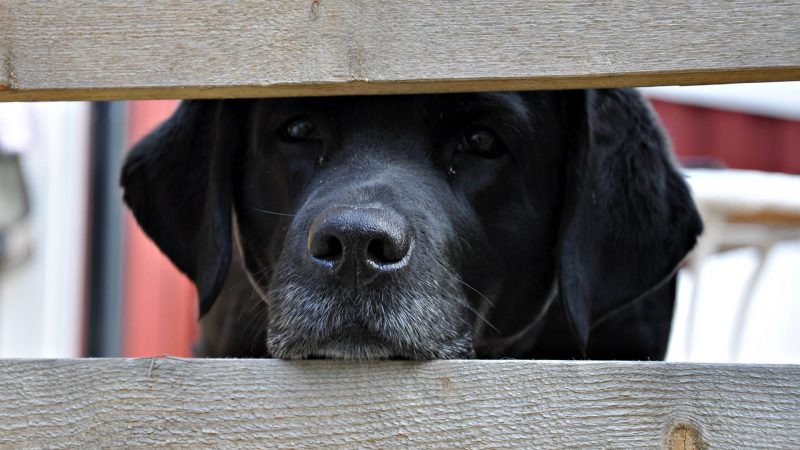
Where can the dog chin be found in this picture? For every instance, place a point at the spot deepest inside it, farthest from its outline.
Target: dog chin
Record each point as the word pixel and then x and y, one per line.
pixel 345 352
pixel 348 346
pixel 365 348
pixel 356 351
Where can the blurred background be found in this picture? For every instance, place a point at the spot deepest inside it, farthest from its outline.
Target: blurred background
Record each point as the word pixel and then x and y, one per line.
pixel 78 277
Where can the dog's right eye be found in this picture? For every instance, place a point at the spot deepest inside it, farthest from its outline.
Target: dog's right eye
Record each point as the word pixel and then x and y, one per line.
pixel 299 130
pixel 481 142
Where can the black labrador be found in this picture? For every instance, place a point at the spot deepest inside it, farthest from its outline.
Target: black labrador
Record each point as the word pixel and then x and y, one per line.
pixel 490 225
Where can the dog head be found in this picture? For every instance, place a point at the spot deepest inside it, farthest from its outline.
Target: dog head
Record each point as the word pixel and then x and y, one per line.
pixel 432 226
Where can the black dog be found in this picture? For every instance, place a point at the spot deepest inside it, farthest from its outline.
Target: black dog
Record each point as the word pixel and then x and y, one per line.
pixel 534 224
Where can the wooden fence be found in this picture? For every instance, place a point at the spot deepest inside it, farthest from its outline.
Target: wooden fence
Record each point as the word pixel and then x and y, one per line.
pixel 445 404
pixel 93 49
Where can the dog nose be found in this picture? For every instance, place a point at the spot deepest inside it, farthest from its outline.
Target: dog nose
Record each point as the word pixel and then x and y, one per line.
pixel 365 240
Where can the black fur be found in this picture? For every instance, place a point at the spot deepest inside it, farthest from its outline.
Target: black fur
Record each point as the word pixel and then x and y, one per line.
pixel 558 239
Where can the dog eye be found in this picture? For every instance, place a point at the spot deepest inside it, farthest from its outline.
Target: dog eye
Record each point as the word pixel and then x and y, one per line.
pixel 481 142
pixel 299 130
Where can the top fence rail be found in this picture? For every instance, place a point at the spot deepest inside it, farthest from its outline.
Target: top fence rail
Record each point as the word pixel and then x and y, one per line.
pixel 97 50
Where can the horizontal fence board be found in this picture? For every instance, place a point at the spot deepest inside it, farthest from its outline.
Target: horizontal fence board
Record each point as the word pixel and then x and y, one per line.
pixel 442 404
pixel 93 49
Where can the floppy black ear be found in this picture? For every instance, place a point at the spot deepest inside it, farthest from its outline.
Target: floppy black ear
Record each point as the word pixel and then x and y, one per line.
pixel 629 219
pixel 177 183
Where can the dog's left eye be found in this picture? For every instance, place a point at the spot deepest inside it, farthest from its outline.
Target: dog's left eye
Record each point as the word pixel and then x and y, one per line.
pixel 299 130
pixel 481 142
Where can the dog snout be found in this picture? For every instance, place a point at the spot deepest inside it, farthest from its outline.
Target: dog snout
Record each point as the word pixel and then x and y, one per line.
pixel 359 241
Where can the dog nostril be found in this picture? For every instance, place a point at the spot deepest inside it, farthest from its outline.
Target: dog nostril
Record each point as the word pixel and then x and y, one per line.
pixel 328 249
pixel 375 252
pixel 334 249
pixel 380 253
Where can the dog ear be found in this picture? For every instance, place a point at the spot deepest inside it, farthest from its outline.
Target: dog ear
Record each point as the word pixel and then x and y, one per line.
pixel 629 219
pixel 177 183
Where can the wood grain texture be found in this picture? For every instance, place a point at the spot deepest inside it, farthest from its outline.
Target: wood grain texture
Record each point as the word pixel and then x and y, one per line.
pixel 93 49
pixel 444 404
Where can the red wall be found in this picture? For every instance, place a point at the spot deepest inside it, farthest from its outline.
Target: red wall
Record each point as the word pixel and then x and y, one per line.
pixel 740 141
pixel 159 305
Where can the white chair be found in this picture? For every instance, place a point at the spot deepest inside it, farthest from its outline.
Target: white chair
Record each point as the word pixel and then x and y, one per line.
pixel 741 209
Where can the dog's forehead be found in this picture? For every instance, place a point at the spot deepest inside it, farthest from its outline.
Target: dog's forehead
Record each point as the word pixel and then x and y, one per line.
pixel 407 108
pixel 506 103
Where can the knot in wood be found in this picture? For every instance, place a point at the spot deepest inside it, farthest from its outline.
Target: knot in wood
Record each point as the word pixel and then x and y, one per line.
pixel 684 436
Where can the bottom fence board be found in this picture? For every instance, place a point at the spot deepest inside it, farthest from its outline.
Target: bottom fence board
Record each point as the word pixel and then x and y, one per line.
pixel 259 403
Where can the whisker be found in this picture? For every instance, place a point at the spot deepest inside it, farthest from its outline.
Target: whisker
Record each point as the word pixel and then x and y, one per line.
pixel 255 281
pixel 274 213
pixel 267 271
pixel 255 301
pixel 259 272
pixel 474 290
pixel 469 246
pixel 474 311
pixel 456 277
pixel 258 319
pixel 250 311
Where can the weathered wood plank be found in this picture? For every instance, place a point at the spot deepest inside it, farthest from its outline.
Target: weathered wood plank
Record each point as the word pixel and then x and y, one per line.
pixel 444 404
pixel 93 49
